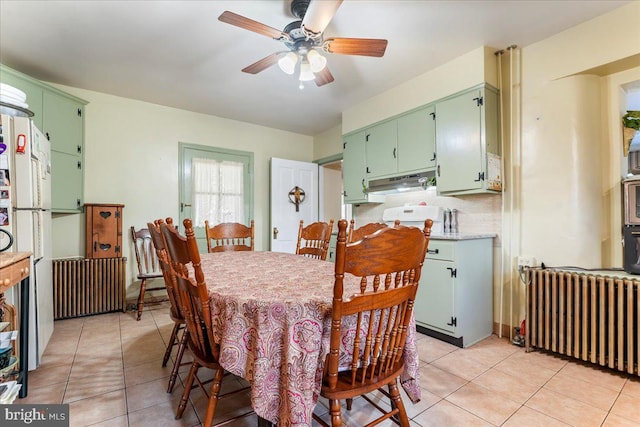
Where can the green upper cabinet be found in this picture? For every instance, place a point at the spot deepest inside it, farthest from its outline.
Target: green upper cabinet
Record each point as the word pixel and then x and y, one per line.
pixel 60 116
pixel 417 141
pixel 467 143
pixel 354 175
pixel 381 143
pixel 29 87
pixel 63 123
pixel 66 182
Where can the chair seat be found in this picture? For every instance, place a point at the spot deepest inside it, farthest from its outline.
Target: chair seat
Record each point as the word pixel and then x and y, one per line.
pixel 345 389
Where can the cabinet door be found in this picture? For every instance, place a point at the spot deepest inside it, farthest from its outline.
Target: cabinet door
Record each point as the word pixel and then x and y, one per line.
pixel 66 182
pixel 353 168
pixel 417 141
pixel 381 149
pixel 32 90
pixel 434 306
pixel 104 231
pixel 63 123
pixel 459 143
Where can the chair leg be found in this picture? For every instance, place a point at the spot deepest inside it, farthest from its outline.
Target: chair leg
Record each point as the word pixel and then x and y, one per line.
pixel 213 398
pixel 349 403
pixel 143 285
pixel 396 401
pixel 176 365
pixel 172 341
pixel 336 415
pixel 187 389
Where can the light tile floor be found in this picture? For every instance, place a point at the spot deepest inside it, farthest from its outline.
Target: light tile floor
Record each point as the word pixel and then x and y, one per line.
pixel 108 369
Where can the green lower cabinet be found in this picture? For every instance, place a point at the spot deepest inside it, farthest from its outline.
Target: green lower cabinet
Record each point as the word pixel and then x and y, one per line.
pixel 331 256
pixel 455 296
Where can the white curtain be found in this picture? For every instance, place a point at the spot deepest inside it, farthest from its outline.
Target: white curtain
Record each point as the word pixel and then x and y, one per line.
pixel 217 191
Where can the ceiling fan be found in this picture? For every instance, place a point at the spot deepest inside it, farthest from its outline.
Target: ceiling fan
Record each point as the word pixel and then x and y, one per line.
pixel 304 39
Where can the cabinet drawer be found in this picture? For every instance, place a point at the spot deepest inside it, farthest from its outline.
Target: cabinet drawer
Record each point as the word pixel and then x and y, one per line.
pixel 441 249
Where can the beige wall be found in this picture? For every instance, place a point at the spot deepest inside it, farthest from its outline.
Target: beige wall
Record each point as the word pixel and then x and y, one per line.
pixel 328 143
pixel 131 157
pixel 473 68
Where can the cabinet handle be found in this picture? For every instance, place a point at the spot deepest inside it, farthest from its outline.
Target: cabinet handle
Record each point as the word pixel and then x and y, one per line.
pixel 438 170
pixel 479 101
pixel 394 153
pixel 368 171
pixel 433 116
pixel 48 137
pixel 79 112
pixel 454 271
pixel 433 159
pixel 454 321
pixel 480 177
pixel 79 164
pixel 78 203
pixel 433 251
pixel 366 138
pixel 79 149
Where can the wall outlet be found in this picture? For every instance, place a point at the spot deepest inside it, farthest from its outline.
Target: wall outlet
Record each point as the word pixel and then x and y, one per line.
pixel 526 261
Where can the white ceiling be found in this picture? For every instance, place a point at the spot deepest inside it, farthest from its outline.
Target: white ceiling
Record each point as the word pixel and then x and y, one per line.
pixel 177 53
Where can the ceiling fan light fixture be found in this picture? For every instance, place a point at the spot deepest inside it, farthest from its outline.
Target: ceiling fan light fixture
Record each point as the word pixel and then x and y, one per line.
pixel 288 62
pixel 316 61
pixel 305 71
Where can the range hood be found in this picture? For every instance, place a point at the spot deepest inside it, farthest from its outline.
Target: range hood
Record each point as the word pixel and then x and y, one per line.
pixel 396 184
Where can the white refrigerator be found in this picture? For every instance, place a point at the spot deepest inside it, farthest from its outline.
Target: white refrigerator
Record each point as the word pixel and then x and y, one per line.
pixel 25 211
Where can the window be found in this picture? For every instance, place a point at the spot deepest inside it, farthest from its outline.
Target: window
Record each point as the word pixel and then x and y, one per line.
pixel 216 184
pixel 218 191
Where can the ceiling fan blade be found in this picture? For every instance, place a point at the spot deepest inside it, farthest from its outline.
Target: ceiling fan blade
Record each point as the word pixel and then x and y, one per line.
pixel 263 64
pixel 251 25
pixel 364 47
pixel 323 77
pixel 319 14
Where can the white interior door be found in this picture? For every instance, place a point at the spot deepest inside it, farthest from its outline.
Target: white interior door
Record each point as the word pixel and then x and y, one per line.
pixel 286 175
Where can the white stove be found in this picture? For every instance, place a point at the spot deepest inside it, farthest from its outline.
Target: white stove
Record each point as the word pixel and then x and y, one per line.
pixel 415 216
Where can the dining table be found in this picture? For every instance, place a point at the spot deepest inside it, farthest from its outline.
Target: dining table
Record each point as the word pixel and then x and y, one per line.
pixel 271 314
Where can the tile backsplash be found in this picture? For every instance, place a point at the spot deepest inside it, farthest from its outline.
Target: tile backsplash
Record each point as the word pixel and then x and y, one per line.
pixel 480 213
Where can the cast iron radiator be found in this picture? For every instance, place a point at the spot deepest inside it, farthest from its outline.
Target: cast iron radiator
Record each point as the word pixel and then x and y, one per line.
pixel 88 286
pixel 588 316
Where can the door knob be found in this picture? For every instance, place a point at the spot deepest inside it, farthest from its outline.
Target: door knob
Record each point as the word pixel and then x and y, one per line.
pixel 275 233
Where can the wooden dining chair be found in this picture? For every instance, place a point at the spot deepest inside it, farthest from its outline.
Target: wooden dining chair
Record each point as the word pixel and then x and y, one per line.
pixel 313 240
pixel 388 264
pixel 174 311
pixel 229 236
pixel 147 260
pixel 184 259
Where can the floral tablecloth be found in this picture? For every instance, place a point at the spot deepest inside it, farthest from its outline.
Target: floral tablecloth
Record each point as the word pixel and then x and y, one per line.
pixel 272 316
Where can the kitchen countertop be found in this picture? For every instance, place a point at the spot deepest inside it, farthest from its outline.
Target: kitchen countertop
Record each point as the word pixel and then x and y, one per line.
pixel 463 236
